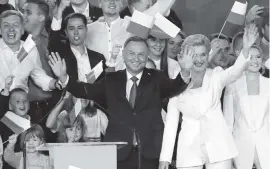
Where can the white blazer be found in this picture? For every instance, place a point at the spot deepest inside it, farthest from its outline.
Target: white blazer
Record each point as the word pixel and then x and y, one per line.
pixel 203 121
pixel 248 118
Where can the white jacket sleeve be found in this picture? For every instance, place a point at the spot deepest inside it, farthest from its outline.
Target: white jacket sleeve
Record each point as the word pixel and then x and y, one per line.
pixel 38 75
pixel 233 73
pixel 169 135
pixel 228 106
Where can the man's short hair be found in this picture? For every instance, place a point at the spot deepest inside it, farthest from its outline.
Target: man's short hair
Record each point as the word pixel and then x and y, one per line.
pixel 16 90
pixel 217 36
pixel 135 39
pixel 42 6
pixel 8 13
pixel 73 16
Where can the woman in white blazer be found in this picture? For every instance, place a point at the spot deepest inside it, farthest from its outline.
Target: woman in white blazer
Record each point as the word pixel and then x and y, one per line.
pixel 204 138
pixel 246 111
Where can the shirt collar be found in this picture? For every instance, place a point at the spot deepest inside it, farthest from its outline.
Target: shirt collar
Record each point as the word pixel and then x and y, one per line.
pixel 3 45
pixel 76 51
pixel 77 11
pixel 102 20
pixel 139 76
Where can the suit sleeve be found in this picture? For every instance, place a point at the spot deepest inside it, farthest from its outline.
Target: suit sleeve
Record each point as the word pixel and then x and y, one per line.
pixel 170 130
pixel 95 91
pixel 171 87
pixel 228 106
pixel 3 105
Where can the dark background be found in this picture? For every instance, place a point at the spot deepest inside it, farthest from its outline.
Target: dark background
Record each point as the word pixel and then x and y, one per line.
pixel 204 16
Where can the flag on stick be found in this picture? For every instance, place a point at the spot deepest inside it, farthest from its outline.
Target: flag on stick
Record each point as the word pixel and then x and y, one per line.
pixel 15 123
pixel 91 78
pixel 238 12
pixel 28 45
pixel 163 28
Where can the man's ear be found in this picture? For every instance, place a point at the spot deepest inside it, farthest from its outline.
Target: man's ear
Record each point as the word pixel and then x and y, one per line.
pixel 41 18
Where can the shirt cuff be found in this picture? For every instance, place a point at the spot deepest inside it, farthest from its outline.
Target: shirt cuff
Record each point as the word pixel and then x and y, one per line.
pixel 56 24
pixel 64 85
pixel 186 79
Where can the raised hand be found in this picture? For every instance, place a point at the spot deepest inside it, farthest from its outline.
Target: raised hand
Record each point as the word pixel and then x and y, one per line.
pixel 250 36
pixel 58 66
pixel 163 165
pixel 254 13
pixel 185 58
pixel 9 81
pixel 116 50
pixel 64 3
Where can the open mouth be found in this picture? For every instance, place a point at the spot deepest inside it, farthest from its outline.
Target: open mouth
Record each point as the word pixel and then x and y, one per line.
pixel 198 64
pixel 11 35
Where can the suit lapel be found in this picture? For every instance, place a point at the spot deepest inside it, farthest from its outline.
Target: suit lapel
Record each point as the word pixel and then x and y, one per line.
pixel 92 59
pixel 120 87
pixel 144 81
pixel 72 63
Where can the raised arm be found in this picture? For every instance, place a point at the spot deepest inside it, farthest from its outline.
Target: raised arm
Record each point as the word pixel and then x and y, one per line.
pixel 171 87
pixel 4 96
pixel 38 74
pixel 234 72
pixel 57 18
pixel 88 91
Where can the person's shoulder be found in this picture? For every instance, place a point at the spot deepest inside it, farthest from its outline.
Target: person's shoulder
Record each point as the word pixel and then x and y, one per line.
pixel 94 53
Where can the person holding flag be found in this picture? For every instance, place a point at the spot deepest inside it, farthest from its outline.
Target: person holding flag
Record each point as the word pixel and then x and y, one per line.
pixel 18 58
pixel 204 139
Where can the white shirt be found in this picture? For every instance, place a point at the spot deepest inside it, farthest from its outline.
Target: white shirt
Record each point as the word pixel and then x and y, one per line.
pixel 102 37
pixel 173 67
pixel 85 12
pixel 30 66
pixel 130 82
pixel 83 63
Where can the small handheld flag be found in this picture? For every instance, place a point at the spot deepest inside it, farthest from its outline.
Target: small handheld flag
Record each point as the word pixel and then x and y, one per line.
pixel 15 123
pixel 91 78
pixel 28 45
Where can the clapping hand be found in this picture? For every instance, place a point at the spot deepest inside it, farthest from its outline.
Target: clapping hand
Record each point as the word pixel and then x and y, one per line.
pixel 64 3
pixel 250 36
pixel 185 59
pixel 58 66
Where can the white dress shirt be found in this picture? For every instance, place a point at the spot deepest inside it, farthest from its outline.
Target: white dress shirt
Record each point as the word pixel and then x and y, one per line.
pixel 85 12
pixel 173 67
pixel 130 82
pixel 30 66
pixel 83 63
pixel 102 37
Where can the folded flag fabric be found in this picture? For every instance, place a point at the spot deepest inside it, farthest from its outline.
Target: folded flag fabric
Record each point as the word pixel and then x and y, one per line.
pixel 28 45
pixel 238 12
pixel 15 123
pixel 140 24
pixel 91 78
pixel 163 28
pixel 143 25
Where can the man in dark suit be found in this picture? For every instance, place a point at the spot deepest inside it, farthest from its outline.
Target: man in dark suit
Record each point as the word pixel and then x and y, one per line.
pixel 133 96
pixel 79 59
pixel 142 5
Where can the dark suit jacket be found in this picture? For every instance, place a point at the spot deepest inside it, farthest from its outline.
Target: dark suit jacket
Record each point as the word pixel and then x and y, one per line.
pixel 110 93
pixel 172 17
pixel 64 50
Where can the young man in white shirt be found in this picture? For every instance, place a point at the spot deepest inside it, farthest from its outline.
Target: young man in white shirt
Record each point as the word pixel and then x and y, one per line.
pixel 109 32
pixel 12 29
